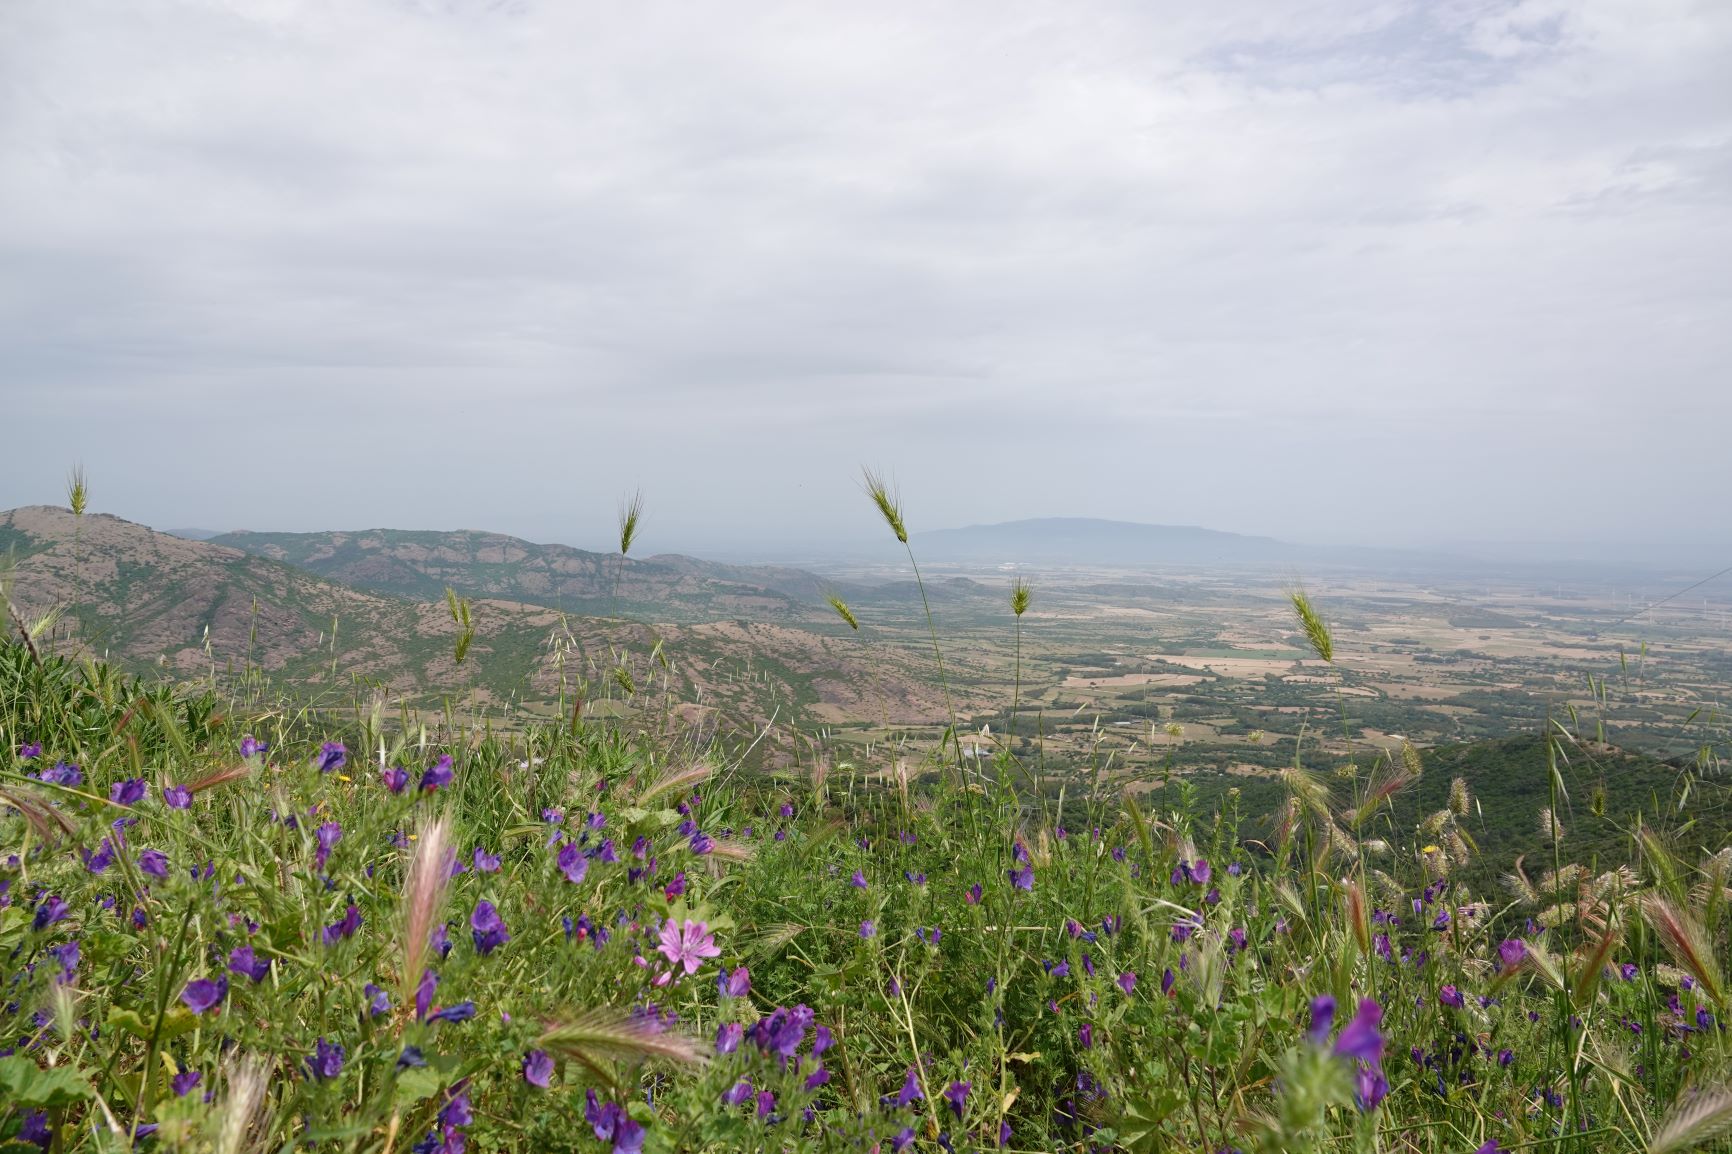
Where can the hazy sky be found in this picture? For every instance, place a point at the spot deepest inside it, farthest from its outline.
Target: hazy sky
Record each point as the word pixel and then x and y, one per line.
pixel 1380 272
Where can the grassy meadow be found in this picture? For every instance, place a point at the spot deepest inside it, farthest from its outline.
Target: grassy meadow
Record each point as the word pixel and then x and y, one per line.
pixel 230 922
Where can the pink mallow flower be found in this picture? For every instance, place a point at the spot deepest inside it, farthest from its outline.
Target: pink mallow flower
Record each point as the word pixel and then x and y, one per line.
pixel 688 944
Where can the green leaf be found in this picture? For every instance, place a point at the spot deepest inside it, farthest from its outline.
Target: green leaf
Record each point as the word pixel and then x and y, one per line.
pixel 416 1084
pixel 23 1083
pixel 176 1021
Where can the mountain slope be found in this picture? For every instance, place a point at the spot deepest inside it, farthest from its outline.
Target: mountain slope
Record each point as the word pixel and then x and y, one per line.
pixel 152 598
pixel 419 565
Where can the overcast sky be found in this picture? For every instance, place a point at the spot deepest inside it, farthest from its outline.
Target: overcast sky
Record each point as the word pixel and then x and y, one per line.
pixel 1340 271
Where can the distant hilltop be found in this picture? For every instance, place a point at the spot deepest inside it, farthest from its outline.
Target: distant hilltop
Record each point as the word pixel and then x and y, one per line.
pixel 1092 541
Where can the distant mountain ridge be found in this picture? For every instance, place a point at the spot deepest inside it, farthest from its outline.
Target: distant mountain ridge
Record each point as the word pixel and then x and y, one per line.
pixel 419 564
pixel 144 599
pixel 1089 540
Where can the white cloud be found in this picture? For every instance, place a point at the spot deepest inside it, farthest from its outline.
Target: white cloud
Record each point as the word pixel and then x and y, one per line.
pixel 713 247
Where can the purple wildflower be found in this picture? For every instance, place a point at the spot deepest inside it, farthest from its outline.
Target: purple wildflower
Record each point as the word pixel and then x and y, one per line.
pixel 48 911
pixel 739 1092
pixel 572 863
pixel 62 773
pixel 1360 1039
pixel 487 928
pixel 1022 879
pixel 396 778
pixel 736 983
pixel 459 1012
pixel 177 797
pixel 205 993
pixel 183 1083
pixel 1511 952
pixel 728 1037
pixel 1128 981
pixel 1370 1087
pixel 485 863
pixel 243 963
pixel 687 944
pixel 1450 996
pixel 1322 1018
pixel 956 1094
pixel 424 994
pixel 910 1090
pixel 339 931
pixel 538 1068
pixel 331 756
pixel 328 835
pixel 251 747
pixel 29 750
pixel 327 1060
pixel 438 774
pixel 129 792
pixel 378 1001
pixel 154 862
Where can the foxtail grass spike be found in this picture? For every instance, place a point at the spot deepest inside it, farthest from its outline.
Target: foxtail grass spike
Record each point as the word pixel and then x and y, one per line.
pixel 1316 632
pixel 1696 1119
pixel 630 513
pixel 888 503
pixel 842 610
pixel 424 894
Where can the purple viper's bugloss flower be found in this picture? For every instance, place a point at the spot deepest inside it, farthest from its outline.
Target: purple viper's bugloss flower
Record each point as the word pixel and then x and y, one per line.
pixel 205 994
pixel 1511 952
pixel 538 1068
pixel 1322 1018
pixel 972 897
pixel 739 1092
pixel 910 1090
pixel 62 773
pixel 100 860
pixel 1128 981
pixel 1370 1087
pixel 858 881
pixel 340 931
pixel 675 888
pixel 868 929
pixel 396 778
pixel 1022 879
pixel 728 1037
pixel 438 774
pixel 1360 1039
pixel 487 928
pixel 177 797
pixel 956 1094
pixel 424 994
pixel 485 863
pixel 129 792
pixel 1628 971
pixel 244 963
pixel 1450 996
pixel 736 983
pixel 1200 872
pixel 29 750
pixel 327 835
pixel 154 862
pixel 332 755
pixel 378 1001
pixel 460 1012
pixel 1085 1036
pixel 251 747
pixel 184 1082
pixel 326 1062
pixel 572 863
pixel 1167 980
pixel 48 911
